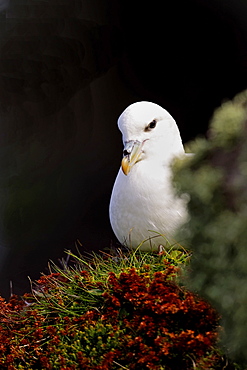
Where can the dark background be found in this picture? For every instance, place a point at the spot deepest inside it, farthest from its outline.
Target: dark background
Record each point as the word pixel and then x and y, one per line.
pixel 68 68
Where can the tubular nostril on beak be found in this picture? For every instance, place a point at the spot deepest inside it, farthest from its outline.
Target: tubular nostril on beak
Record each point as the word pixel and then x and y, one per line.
pixel 128 147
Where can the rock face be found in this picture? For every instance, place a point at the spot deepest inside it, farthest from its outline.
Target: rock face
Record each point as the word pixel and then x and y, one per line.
pixel 68 68
pixel 216 181
pixel 58 60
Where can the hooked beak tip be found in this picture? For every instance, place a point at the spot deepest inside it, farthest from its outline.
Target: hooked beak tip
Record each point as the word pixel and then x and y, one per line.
pixel 125 165
pixel 132 152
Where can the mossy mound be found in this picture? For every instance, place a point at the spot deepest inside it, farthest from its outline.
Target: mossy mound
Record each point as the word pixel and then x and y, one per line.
pixel 111 313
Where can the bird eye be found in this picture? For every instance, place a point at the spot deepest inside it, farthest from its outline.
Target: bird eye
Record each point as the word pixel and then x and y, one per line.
pixel 151 125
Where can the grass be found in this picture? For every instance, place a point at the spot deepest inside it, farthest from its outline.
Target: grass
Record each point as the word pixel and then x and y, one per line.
pixel 116 310
pixel 75 297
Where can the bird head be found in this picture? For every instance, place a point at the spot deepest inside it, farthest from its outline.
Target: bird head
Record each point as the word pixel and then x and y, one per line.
pixel 148 131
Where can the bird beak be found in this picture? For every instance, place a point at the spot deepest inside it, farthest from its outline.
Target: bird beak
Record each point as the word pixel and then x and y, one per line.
pixel 132 151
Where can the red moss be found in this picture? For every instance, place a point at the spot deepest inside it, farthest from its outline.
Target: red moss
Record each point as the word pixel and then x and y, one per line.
pixel 170 323
pixel 146 321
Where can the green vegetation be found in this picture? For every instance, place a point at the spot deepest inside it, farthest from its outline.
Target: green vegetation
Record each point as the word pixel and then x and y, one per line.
pixel 215 179
pixel 127 311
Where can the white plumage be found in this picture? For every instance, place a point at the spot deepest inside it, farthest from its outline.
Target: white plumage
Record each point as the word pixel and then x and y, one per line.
pixel 143 202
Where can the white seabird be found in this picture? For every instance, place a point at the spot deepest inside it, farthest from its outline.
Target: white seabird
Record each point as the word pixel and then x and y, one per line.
pixel 143 203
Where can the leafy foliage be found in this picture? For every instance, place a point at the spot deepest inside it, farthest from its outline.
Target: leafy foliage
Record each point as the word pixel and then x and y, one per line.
pixel 217 230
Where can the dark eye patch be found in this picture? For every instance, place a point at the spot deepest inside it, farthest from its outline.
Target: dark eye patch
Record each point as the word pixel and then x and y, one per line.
pixel 151 125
